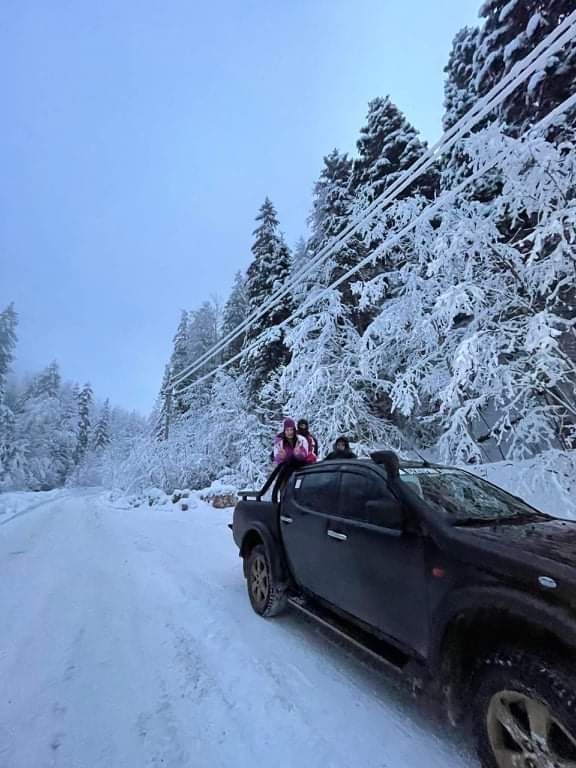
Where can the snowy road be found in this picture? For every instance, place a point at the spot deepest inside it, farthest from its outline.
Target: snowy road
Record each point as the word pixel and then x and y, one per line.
pixel 127 641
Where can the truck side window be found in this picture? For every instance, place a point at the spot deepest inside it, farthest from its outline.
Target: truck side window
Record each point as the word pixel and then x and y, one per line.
pixel 356 490
pixel 317 491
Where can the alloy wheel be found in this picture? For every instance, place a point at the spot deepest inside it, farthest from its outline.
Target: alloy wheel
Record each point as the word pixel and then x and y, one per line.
pixel 524 733
pixel 260 581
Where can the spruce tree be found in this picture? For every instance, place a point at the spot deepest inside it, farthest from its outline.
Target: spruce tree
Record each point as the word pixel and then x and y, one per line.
pixel 203 334
pixel 102 429
pixel 387 147
pixel 331 214
pixel 45 432
pixel 181 348
pixel 84 421
pixel 8 323
pixel 268 271
pixel 235 313
pixel 163 410
pixel 459 86
pixel 459 97
pixel 511 29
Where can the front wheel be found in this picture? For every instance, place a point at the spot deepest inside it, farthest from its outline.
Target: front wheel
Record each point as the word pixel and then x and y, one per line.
pixel 268 598
pixel 525 713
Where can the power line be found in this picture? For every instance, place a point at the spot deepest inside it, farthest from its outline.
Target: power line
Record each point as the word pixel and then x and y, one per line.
pixel 556 39
pixel 426 214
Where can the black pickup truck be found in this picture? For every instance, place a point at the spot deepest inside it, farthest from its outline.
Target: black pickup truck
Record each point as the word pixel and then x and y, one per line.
pixel 466 589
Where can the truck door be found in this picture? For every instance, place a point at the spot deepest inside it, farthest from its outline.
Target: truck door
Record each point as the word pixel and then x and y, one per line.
pixel 309 500
pixel 377 572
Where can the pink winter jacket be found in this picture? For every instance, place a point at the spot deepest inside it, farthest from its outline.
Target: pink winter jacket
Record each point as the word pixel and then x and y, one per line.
pixel 284 452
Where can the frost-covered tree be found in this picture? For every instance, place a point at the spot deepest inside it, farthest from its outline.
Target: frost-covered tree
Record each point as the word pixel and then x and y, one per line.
pixel 459 97
pixel 331 214
pixel 269 269
pixel 387 147
pixel 234 314
pixel 8 447
pixel 202 334
pixel 8 323
pixel 511 29
pixel 324 377
pixel 300 260
pixel 459 86
pixel 471 344
pixel 203 329
pixel 180 345
pixel 65 438
pixel 221 440
pixel 163 409
pixel 44 432
pixel 102 428
pixel 85 399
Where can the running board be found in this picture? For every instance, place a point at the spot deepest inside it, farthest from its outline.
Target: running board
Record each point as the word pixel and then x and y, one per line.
pixel 367 643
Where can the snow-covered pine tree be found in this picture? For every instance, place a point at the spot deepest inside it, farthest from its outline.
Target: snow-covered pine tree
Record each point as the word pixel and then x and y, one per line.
pixel 8 323
pixel 203 329
pixel 234 314
pixel 65 438
pixel 203 334
pixel 300 256
pixel 331 214
pixel 511 29
pixel 163 409
pixel 470 345
pixel 269 269
pixel 323 378
pixel 43 432
pixel 459 96
pixel 8 449
pixel 180 357
pixel 459 86
pixel 102 429
pixel 85 399
pixel 388 145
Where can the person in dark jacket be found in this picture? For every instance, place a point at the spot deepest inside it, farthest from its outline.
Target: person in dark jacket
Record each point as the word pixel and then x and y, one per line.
pixel 341 449
pixel 304 430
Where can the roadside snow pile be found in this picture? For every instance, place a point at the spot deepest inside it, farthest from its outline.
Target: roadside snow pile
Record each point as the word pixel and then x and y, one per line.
pixel 547 481
pixel 14 503
pixel 149 497
pixel 220 494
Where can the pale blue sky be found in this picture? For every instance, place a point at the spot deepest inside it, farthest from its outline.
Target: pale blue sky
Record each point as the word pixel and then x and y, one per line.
pixel 138 140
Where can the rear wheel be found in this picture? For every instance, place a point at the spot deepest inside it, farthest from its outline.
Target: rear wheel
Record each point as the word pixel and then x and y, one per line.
pixel 525 713
pixel 268 598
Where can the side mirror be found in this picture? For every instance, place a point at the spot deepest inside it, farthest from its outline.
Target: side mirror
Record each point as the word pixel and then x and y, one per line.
pixel 386 512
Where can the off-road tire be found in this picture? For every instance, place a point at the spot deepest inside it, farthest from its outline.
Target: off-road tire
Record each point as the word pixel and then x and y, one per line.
pixel 267 597
pixel 507 686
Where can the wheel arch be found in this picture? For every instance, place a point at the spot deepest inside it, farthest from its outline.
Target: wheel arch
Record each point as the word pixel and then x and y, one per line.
pixel 259 534
pixel 485 621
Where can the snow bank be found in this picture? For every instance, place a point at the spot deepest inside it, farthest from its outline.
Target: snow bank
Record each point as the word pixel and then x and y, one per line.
pixel 13 503
pixel 547 481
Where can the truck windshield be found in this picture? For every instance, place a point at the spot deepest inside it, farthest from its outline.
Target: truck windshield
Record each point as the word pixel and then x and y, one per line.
pixel 465 498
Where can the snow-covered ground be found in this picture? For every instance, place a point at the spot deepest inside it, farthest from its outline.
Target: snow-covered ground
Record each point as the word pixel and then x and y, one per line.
pixel 127 641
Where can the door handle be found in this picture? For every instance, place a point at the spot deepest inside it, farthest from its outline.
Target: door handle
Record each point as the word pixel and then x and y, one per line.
pixel 336 535
pixel 286 519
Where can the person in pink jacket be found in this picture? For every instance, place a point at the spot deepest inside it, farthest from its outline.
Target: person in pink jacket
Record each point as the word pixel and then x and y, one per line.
pixel 289 446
